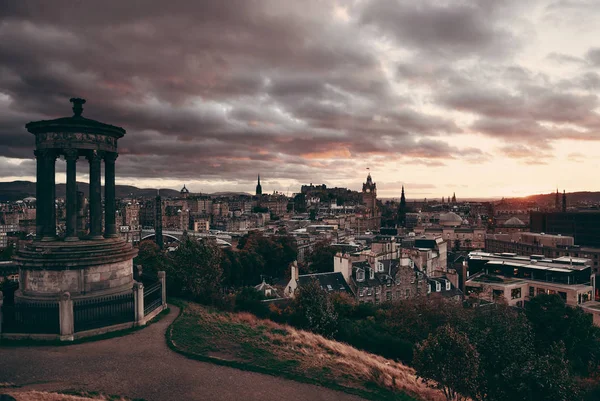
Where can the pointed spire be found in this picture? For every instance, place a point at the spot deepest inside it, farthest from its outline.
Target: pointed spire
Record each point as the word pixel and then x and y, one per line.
pixel 258 187
pixel 564 201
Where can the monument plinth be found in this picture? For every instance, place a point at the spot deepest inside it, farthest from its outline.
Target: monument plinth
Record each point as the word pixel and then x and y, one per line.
pixel 89 262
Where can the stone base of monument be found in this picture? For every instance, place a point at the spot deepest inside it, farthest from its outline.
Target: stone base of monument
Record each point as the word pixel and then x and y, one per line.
pixel 71 290
pixel 84 269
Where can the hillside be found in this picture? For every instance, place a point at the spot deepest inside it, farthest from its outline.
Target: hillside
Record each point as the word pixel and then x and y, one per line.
pixel 572 197
pixel 244 341
pixel 16 190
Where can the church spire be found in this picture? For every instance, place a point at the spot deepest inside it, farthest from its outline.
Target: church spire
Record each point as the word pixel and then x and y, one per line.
pixel 564 201
pixel 258 187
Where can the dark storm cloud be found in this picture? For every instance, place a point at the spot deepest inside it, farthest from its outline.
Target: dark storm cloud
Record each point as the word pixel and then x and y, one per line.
pixel 452 30
pixel 224 89
pixel 209 89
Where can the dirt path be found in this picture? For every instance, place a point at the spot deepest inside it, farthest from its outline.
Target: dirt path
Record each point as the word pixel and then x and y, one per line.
pixel 140 365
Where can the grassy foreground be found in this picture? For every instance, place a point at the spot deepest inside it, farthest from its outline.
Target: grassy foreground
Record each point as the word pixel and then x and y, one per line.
pixel 242 340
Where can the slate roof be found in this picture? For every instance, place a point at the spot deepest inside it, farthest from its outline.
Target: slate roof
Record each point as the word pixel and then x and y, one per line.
pixel 390 268
pixel 331 282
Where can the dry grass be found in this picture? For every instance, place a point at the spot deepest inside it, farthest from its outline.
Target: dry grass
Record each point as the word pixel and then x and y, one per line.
pixel 44 396
pixel 242 337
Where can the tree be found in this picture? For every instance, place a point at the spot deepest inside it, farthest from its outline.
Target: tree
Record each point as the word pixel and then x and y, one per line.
pixel 449 362
pixel 314 309
pixel 194 270
pixel 248 299
pixel 550 377
pixel 553 321
pixel 150 256
pixel 504 340
pixel 320 259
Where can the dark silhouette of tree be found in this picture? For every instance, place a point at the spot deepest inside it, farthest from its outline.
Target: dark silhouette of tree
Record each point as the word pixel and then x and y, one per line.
pixel 449 362
pixel 553 321
pixel 194 270
pixel 314 310
pixel 320 259
pixel 150 257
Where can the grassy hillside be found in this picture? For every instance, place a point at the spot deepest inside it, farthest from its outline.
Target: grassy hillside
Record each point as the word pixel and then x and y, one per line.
pixel 244 341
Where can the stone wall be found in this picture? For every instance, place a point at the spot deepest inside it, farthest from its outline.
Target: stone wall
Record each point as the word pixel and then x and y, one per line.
pixel 105 278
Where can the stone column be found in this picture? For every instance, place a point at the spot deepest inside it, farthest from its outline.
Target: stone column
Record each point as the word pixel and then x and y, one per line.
pixel 138 301
pixel 163 282
pixel 66 316
pixel 110 226
pixel 95 159
pixel 48 187
pixel 40 215
pixel 71 231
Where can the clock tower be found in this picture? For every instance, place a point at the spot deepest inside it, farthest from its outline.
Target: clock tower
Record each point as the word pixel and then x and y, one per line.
pixel 369 195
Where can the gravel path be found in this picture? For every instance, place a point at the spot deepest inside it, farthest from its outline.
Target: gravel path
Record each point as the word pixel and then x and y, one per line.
pixel 140 365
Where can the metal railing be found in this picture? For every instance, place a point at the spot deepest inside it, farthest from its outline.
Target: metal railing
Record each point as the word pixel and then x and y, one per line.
pixel 101 312
pixel 31 317
pixel 152 297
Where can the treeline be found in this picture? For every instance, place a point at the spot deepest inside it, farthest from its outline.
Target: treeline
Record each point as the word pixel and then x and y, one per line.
pixel 202 271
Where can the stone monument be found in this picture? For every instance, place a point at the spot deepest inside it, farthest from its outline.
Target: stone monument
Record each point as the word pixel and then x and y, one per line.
pixel 87 263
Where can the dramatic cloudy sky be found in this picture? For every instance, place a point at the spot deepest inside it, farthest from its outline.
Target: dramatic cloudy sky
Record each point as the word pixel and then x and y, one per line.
pixel 481 97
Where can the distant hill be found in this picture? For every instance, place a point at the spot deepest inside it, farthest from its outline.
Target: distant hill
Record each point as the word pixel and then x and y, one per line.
pixel 572 197
pixel 16 190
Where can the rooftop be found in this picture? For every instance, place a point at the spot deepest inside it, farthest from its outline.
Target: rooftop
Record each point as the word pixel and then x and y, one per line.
pixel 562 264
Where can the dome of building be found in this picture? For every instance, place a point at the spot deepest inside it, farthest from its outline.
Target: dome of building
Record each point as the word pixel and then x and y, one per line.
pixel 514 222
pixel 450 219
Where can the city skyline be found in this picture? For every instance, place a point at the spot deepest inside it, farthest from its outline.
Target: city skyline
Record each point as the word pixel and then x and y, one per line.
pixel 485 99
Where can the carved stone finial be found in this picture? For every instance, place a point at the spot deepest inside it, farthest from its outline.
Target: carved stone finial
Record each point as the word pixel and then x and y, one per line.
pixel 65 296
pixel 77 106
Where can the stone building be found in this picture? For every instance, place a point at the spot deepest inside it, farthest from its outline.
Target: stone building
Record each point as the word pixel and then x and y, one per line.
pixel 130 214
pixel 369 218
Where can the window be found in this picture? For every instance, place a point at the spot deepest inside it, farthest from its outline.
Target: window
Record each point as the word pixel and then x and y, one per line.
pixel 360 275
pixel 329 287
pixel 361 292
pixel 379 267
pixel 407 292
pixel 398 294
pixel 438 286
pixel 531 292
pixel 388 296
pixel 541 291
pixel 371 274
pixel 369 291
pixel 563 295
pixel 377 290
pixel 515 293
pixel 389 282
pixel 429 288
pixel 448 285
